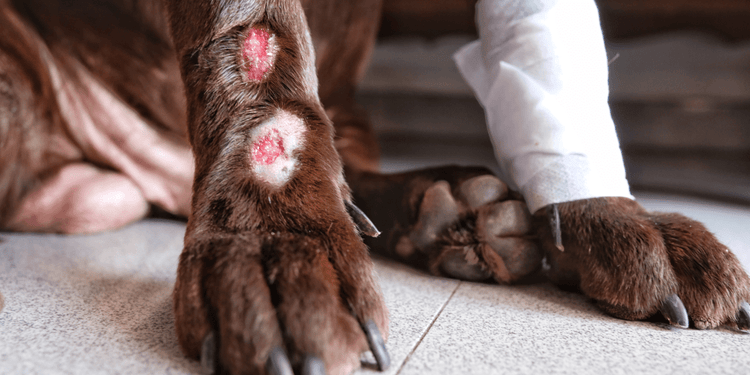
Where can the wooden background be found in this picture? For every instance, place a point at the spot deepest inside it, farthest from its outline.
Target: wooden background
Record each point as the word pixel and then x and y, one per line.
pixel 621 19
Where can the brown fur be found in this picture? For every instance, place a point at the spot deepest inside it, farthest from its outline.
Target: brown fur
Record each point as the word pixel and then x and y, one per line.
pixel 267 266
pixel 314 257
pixel 630 260
pixel 28 112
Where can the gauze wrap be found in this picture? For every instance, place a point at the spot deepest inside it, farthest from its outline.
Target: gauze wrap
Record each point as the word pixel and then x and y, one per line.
pixel 540 71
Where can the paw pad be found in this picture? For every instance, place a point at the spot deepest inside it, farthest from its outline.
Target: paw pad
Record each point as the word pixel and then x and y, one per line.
pixel 476 236
pixel 478 191
pixel 437 211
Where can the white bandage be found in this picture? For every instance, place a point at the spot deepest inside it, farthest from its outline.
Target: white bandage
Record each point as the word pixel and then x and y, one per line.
pixel 540 72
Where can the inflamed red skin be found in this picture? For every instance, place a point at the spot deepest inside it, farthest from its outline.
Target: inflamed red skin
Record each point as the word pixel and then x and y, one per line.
pixel 258 53
pixel 240 116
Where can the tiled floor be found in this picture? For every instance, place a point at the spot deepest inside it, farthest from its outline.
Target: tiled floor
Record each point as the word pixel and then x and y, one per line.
pixel 473 328
pixel 101 304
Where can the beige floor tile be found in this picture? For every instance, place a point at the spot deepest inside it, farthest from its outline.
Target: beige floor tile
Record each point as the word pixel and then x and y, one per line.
pixel 414 300
pixel 539 329
pixel 489 329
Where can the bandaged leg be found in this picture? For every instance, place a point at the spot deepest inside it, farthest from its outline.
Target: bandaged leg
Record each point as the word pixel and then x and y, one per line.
pixel 540 72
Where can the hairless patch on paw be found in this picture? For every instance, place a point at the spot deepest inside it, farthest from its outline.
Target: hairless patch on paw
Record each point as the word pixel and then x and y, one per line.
pixel 258 53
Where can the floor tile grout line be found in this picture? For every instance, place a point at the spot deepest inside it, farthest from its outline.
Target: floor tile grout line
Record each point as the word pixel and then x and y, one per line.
pixel 440 312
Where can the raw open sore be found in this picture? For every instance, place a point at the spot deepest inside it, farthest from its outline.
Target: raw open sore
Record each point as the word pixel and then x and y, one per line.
pixel 274 144
pixel 258 53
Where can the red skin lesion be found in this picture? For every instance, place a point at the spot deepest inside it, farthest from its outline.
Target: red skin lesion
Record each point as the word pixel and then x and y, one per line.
pixel 256 52
pixel 267 149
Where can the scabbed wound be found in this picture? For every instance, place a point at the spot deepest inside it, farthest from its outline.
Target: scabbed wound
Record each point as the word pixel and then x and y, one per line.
pixel 258 53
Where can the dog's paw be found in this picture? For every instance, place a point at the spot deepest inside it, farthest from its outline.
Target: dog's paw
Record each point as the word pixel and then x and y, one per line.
pixel 279 302
pixel 636 264
pixel 460 222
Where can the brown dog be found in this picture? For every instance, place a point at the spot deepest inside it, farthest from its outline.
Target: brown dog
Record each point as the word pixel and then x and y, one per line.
pixel 95 96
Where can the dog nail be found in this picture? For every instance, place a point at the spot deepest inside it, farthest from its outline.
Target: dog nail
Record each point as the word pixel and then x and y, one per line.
pixel 313 366
pixel 363 222
pixel 674 310
pixel 208 352
pixel 278 363
pixel 377 345
pixel 554 221
pixel 743 316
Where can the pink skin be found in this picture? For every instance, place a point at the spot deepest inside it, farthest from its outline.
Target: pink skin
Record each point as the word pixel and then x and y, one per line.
pixel 81 198
pixel 123 164
pixel 269 148
pixel 274 145
pixel 119 165
pixel 257 54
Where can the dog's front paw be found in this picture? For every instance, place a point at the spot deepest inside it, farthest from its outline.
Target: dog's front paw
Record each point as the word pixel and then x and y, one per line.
pixel 636 264
pixel 277 302
pixel 460 222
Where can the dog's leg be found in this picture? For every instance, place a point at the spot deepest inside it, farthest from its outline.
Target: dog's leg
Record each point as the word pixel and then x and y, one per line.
pixel 22 119
pixel 557 141
pixel 44 183
pixel 342 56
pixel 273 267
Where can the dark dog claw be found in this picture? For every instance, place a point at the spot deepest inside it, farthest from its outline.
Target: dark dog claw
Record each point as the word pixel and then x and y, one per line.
pixel 674 310
pixel 377 345
pixel 313 366
pixel 554 222
pixel 208 352
pixel 363 222
pixel 278 363
pixel 743 316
